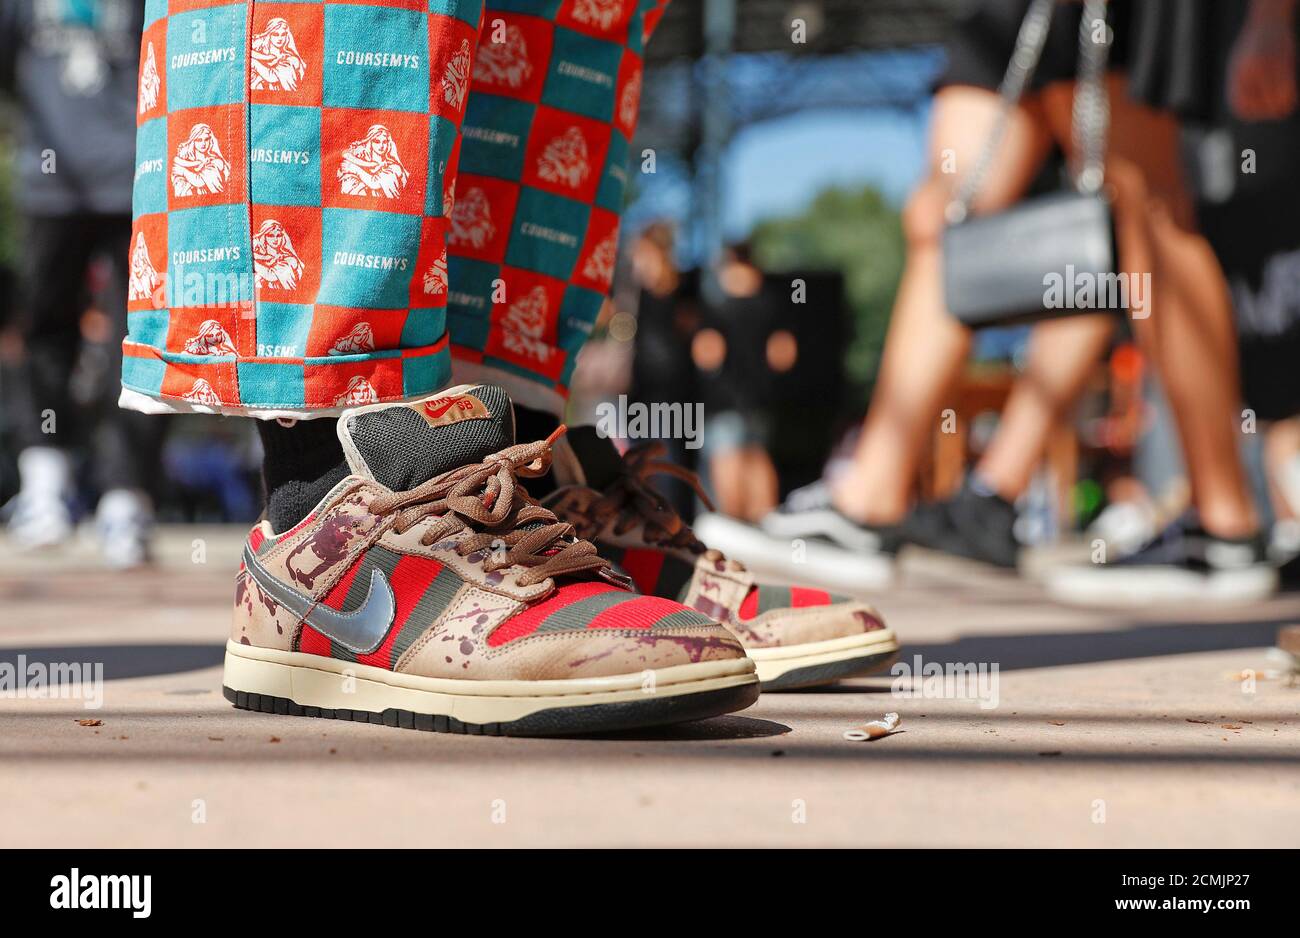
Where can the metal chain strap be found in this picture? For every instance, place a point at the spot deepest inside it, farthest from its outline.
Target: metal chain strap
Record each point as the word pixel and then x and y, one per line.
pixel 1090 115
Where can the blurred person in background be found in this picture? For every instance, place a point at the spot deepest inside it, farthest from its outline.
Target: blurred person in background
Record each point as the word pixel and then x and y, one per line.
pixel 666 300
pixel 732 351
pixel 1160 67
pixel 1241 156
pixel 1249 204
pixel 72 67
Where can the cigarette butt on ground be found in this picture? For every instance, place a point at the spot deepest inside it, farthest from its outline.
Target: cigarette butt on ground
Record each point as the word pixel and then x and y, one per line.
pixel 1268 674
pixel 874 730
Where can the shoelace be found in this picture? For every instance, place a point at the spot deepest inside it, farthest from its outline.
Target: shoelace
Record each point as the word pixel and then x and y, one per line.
pixel 507 524
pixel 631 500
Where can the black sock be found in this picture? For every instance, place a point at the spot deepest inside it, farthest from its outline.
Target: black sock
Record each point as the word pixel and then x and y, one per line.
pixel 301 463
pixel 600 459
pixel 531 425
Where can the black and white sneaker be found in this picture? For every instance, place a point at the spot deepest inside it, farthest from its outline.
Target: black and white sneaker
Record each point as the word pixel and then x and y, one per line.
pixel 975 523
pixel 808 539
pixel 1185 563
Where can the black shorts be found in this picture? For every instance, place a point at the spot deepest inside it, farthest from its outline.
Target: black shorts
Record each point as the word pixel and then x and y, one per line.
pixel 1173 51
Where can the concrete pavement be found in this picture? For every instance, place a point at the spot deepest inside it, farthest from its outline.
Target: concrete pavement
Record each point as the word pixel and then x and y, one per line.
pixel 1108 730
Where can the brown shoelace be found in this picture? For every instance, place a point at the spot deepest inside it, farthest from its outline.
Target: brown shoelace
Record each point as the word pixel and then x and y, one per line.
pixel 631 500
pixel 508 525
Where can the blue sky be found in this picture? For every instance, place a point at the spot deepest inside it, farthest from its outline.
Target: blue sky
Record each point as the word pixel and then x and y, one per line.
pixel 864 121
pixel 776 167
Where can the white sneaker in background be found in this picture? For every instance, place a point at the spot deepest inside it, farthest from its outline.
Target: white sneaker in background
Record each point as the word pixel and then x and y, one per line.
pixel 1284 540
pixel 123 523
pixel 808 540
pixel 1125 526
pixel 41 517
pixel 1183 563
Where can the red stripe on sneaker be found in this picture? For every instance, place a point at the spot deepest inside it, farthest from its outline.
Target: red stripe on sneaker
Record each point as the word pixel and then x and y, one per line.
pixel 311 642
pixel 639 613
pixel 256 538
pixel 749 606
pixel 410 578
pixel 643 567
pixel 801 596
pixel 527 621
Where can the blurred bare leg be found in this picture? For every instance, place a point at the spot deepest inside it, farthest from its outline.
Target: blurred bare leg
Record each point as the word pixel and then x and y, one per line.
pixel 762 486
pixel 1196 352
pixel 1281 448
pixel 925 347
pixel 1062 355
pixel 744 482
pixel 1189 333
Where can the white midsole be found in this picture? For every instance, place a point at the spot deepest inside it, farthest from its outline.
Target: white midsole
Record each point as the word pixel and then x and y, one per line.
pixel 1137 586
pixel 796 526
pixel 809 561
pixel 332 684
pixel 774 662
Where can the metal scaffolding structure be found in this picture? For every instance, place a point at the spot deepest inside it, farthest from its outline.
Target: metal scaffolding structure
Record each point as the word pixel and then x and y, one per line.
pixel 716 66
pixel 832 26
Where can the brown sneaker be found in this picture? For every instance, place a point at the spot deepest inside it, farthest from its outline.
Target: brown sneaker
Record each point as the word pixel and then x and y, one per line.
pixel 428 590
pixel 798 636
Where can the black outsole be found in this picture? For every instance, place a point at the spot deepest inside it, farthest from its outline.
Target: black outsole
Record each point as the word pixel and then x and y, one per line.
pixel 830 672
pixel 560 721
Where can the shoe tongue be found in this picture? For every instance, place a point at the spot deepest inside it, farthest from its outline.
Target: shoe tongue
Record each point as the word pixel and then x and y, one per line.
pixel 402 445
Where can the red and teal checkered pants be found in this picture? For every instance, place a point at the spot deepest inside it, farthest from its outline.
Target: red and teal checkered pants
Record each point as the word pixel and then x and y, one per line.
pixel 348 202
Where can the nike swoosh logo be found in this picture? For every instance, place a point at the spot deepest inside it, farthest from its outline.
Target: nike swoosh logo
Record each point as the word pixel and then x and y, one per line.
pixel 360 631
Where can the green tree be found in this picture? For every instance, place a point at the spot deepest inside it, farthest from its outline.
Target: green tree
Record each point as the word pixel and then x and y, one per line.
pixel 858 233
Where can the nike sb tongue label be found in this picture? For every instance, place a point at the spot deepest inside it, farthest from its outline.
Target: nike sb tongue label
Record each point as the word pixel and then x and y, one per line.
pixel 451 408
pixel 402 445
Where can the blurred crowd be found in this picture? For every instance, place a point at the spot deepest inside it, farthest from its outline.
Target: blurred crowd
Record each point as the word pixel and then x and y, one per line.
pixel 1162 425
pixel 68 73
pixel 1171 438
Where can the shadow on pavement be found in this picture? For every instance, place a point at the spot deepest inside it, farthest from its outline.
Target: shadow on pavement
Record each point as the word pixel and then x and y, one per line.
pixel 1058 649
pixel 123 661
pixel 1011 652
pixel 728 727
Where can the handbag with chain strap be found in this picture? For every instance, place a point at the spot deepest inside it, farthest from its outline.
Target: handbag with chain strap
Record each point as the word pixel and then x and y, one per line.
pixel 997 268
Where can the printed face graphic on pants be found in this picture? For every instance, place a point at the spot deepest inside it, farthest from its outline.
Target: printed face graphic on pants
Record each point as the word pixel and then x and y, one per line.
pixel 471 220
pixel 211 339
pixel 275 262
pixel 371 166
pixel 274 60
pixel 344 202
pixel 199 167
pixel 150 82
pixel 455 79
pixel 144 276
